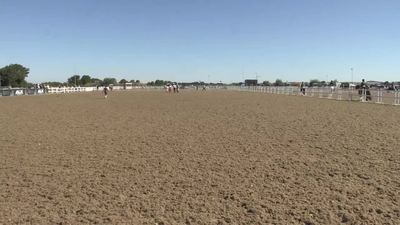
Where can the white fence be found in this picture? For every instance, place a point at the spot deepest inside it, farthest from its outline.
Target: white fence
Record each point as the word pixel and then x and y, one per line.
pixel 380 96
pixel 60 90
pixel 53 90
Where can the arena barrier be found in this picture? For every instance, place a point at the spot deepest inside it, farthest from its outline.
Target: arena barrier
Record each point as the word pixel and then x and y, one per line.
pixel 373 95
pixel 60 90
pixel 21 91
pixel 397 97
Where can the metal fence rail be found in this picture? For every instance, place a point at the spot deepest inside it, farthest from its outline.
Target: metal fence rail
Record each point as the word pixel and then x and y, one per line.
pixel 379 96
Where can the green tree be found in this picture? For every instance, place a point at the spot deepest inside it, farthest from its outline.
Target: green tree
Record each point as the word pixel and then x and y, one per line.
pixel 75 80
pixel 85 80
pixel 160 83
pixel 157 82
pixel 314 82
pixel 55 84
pixel 137 81
pixel 266 83
pixel 96 81
pixel 108 81
pixel 14 75
pixel 123 81
pixel 386 83
pixel 278 82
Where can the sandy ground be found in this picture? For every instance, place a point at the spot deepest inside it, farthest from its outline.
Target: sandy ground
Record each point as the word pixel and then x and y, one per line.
pixel 197 158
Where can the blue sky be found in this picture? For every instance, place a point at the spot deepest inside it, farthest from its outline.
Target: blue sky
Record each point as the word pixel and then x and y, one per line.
pixel 209 40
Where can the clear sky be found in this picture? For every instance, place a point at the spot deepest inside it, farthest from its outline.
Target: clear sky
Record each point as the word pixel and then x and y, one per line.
pixel 209 40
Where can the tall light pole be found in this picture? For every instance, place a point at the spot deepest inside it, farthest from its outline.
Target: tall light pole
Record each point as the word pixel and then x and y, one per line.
pixel 257 77
pixel 352 75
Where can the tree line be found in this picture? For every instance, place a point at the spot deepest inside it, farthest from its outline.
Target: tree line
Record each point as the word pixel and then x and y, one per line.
pixel 87 80
pixel 14 75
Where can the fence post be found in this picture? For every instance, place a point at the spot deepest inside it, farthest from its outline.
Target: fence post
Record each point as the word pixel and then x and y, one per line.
pixel 379 96
pixel 364 95
pixel 351 93
pixel 339 94
pixel 396 97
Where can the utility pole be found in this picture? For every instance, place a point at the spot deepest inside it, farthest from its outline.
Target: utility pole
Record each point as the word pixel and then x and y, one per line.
pixel 257 77
pixel 352 75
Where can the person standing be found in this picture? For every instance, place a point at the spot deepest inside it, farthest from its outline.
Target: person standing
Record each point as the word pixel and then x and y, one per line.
pixel 363 85
pixel 364 92
pixel 174 87
pixel 302 88
pixel 105 91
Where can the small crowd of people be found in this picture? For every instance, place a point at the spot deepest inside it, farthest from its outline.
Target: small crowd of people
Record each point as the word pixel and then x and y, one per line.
pixel 203 88
pixel 172 88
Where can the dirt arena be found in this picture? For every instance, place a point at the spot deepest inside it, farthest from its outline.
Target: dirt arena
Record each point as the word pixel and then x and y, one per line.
pixel 214 157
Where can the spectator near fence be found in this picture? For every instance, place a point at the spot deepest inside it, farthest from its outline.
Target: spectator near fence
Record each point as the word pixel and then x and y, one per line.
pixel 302 88
pixel 364 91
pixel 105 91
pixel 363 85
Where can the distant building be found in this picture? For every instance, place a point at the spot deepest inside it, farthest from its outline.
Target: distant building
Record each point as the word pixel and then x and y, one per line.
pixel 250 82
